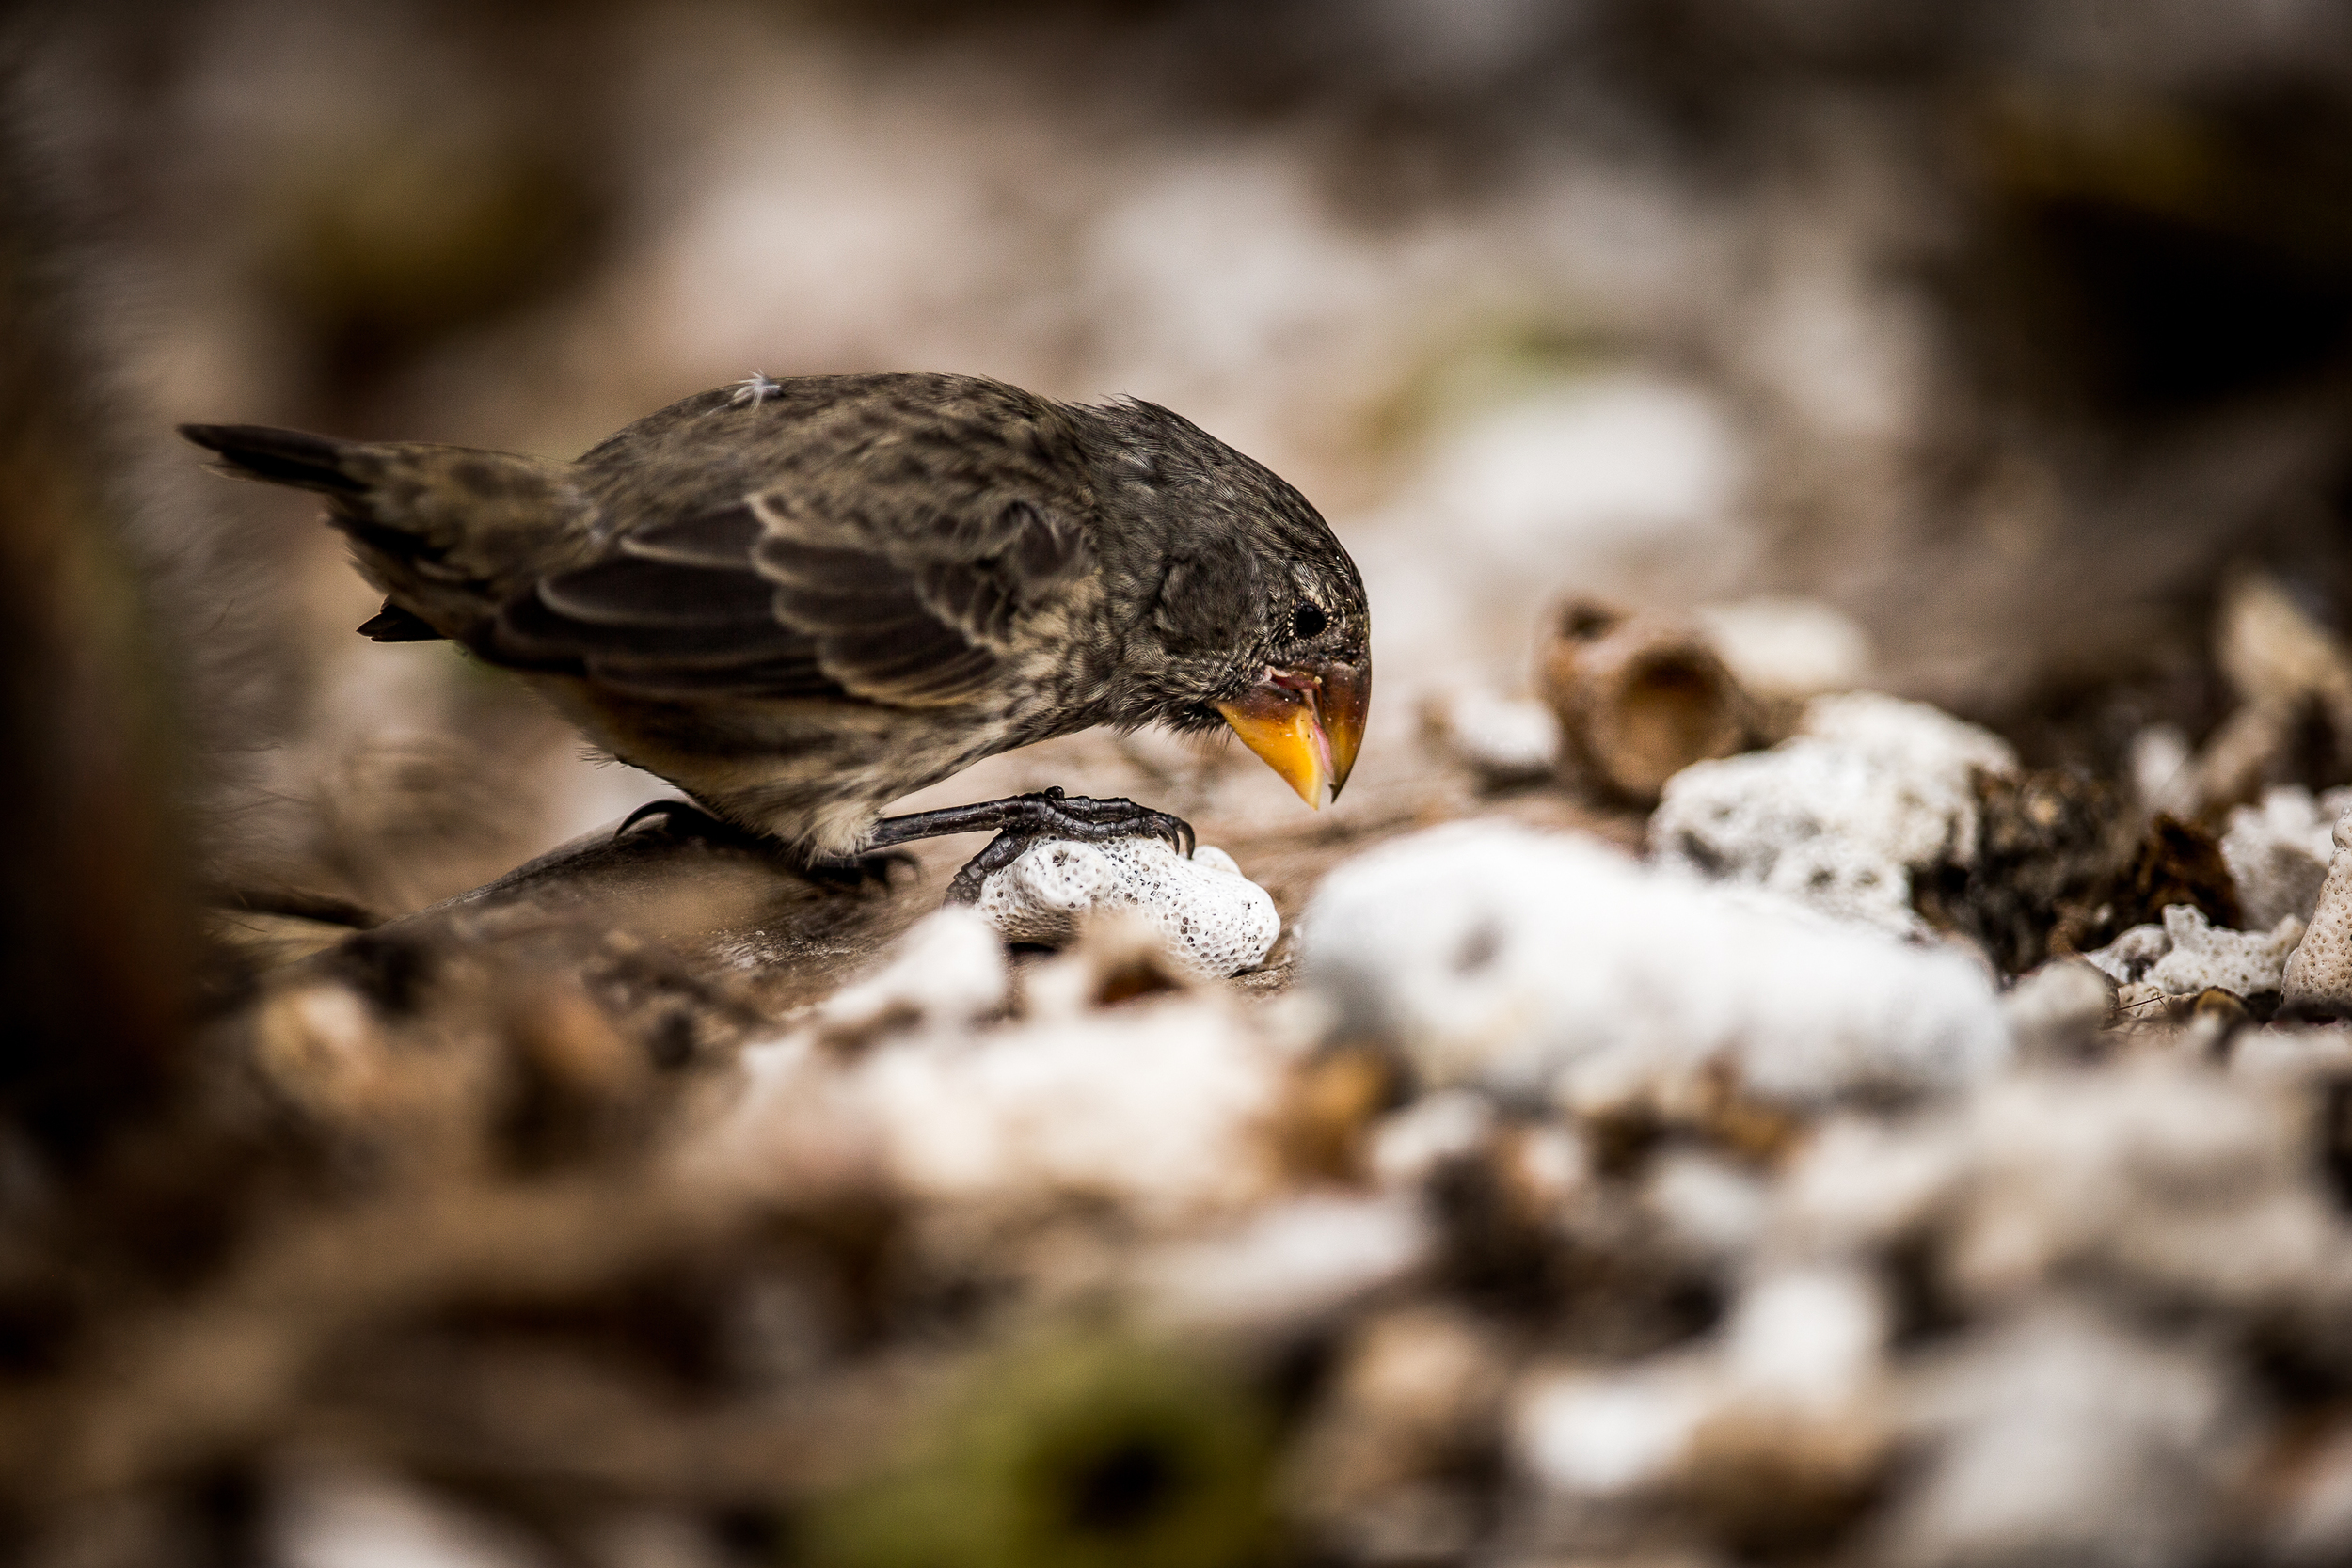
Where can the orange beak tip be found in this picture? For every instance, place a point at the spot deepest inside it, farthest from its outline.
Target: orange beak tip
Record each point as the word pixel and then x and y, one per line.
pixel 1282 728
pixel 1307 733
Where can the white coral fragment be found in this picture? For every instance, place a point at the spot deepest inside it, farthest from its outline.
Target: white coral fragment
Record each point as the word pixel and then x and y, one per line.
pixel 1548 964
pixel 2204 954
pixel 1212 920
pixel 2188 953
pixel 1869 789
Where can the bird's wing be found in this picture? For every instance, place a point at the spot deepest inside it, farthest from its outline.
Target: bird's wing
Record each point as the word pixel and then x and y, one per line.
pixel 692 620
pixel 901 578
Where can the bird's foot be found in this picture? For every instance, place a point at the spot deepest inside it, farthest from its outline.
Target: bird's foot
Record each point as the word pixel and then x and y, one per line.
pixel 1001 852
pixel 1047 814
pixel 1023 820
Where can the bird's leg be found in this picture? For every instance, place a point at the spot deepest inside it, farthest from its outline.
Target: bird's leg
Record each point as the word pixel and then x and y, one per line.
pixel 1048 813
pixel 685 820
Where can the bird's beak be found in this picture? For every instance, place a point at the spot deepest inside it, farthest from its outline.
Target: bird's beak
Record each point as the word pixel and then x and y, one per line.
pixel 1306 723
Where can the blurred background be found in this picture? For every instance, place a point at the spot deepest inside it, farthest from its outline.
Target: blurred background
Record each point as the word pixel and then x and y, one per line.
pixel 1997 331
pixel 1967 352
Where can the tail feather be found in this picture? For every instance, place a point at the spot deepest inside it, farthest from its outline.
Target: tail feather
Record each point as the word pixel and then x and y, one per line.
pixel 449 533
pixel 281 457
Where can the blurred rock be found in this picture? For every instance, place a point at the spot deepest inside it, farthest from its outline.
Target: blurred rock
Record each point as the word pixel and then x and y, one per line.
pixel 2165 1183
pixel 2055 1013
pixel 1287 1266
pixel 1450 943
pixel 2295 686
pixel 1503 741
pixel 2066 1437
pixel 1167 1102
pixel 1785 650
pixel 1770 1437
pixel 325 1518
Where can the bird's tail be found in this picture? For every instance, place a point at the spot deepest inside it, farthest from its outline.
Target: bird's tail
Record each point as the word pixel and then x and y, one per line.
pixel 447 532
pixel 293 457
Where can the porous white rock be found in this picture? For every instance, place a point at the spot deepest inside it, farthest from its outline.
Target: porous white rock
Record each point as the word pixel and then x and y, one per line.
pixel 1213 920
pixel 2278 851
pixel 2318 975
pixel 2188 953
pixel 1548 964
pixel 1869 789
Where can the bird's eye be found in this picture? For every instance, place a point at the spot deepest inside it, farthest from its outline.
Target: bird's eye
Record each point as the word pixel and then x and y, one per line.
pixel 1308 620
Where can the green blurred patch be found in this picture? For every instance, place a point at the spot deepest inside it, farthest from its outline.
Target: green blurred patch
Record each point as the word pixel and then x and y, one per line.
pixel 1091 1450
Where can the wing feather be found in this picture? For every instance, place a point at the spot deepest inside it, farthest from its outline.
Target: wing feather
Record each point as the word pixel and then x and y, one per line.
pixel 890 552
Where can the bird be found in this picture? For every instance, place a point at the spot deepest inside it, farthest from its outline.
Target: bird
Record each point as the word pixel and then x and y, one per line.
pixel 801 599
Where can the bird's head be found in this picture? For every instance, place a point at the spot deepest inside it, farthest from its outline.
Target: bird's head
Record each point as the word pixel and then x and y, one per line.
pixel 1246 611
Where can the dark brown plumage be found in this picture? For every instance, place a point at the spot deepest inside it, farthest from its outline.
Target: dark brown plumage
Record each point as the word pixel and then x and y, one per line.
pixel 800 600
